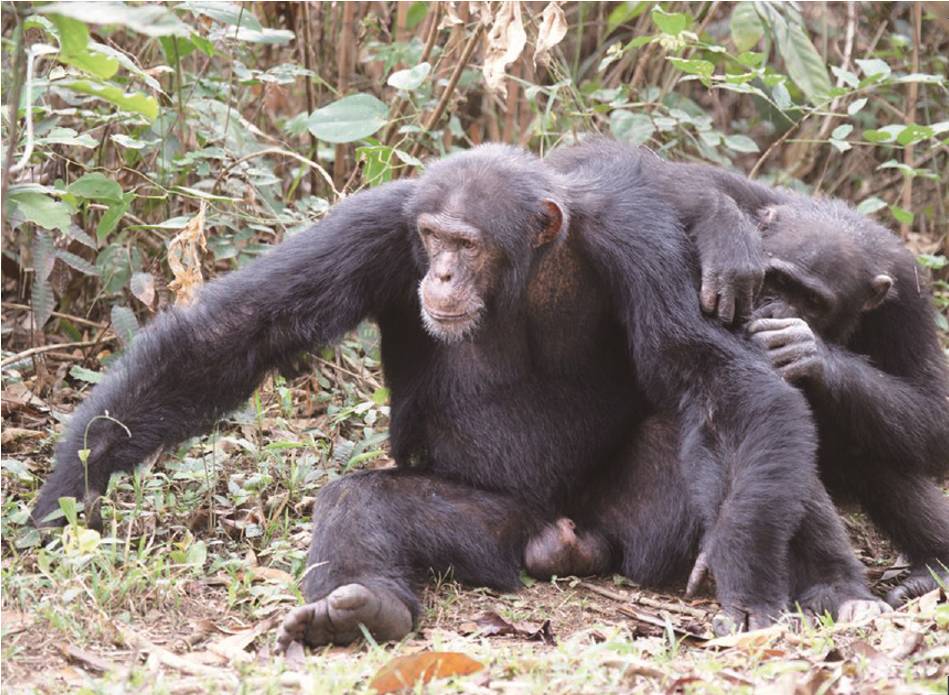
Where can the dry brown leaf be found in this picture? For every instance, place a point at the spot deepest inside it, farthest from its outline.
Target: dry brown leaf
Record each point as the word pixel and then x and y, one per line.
pixel 234 647
pixel 749 641
pixel 553 27
pixel 12 434
pixel 184 259
pixel 15 621
pixel 143 287
pixel 406 671
pixel 271 574
pixel 506 41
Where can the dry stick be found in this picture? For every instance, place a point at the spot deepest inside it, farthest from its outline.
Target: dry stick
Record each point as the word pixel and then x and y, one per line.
pixel 47 348
pixel 284 153
pixel 57 314
pixel 450 87
pixel 344 66
pixel 426 53
pixel 906 199
pixel 646 601
pixel 305 50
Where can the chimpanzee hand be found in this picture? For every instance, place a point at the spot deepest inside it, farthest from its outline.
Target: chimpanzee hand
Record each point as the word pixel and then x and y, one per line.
pixel 732 276
pixel 792 347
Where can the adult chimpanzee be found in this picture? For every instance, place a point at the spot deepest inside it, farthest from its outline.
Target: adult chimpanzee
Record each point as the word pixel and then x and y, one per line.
pixel 558 304
pixel 843 314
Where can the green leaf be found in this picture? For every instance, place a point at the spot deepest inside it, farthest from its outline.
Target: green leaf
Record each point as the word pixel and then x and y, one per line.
pixel 77 262
pixel 349 119
pixel 96 186
pixel 740 143
pixel 885 134
pixel 83 374
pixel 634 128
pixel 914 133
pixel 871 205
pixel 124 323
pixel 746 27
pixel 624 12
pixel 276 37
pixel 145 18
pixel 41 293
pixel 416 14
pixel 380 396
pixel 409 80
pixel 804 64
pixel 694 67
pixel 673 23
pixel 856 106
pixel 900 215
pixel 132 143
pixel 225 13
pixel 135 102
pixel 842 131
pixel 110 220
pixel 74 48
pixel 68 137
pixel 781 96
pixel 42 210
pixel 874 67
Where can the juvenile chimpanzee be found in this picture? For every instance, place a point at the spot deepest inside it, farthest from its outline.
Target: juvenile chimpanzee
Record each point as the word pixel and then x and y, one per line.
pixel 531 315
pixel 844 315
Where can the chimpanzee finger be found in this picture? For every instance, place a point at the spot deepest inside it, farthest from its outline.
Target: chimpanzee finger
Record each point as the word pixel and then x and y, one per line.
pixel 764 325
pixel 745 303
pixel 772 340
pixel 708 297
pixel 798 369
pixel 789 353
pixel 697 576
pixel 726 303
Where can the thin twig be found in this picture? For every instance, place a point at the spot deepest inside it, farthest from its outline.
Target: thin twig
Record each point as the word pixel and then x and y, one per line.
pixel 450 87
pixel 362 377
pixel 282 153
pixel 906 197
pixel 47 348
pixel 308 84
pixel 645 601
pixel 57 314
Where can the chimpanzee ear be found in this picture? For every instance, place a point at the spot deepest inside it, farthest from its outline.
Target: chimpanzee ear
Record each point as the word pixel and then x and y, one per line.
pixel 880 288
pixel 556 224
pixel 768 214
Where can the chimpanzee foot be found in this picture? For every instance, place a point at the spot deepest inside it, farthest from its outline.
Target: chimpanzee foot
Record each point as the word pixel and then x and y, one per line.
pixel 733 619
pixel 920 581
pixel 847 602
pixel 859 609
pixel 336 618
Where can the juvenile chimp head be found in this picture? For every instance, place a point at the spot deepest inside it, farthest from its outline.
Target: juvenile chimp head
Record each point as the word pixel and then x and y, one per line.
pixel 823 266
pixel 483 217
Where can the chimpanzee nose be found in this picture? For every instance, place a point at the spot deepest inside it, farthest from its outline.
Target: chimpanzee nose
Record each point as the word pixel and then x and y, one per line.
pixel 443 275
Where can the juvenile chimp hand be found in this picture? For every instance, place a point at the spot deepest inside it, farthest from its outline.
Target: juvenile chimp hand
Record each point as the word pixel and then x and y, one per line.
pixel 732 276
pixel 793 348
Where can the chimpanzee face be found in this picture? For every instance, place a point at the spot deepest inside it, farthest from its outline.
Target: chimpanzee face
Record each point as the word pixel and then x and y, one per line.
pixel 817 271
pixel 462 270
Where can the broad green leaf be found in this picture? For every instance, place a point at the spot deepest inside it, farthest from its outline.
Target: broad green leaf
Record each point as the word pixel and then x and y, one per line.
pixel 624 12
pixel 840 145
pixel 116 265
pixel 873 67
pixel 871 205
pixel 914 133
pixel 751 59
pixel 74 48
pixel 124 323
pixel 740 143
pixel 68 137
pixel 416 14
pixel 921 77
pixel 842 131
pixel 411 79
pixel 77 262
pixel 634 128
pixel 856 106
pixel 226 13
pixel 126 63
pixel 845 76
pixel 145 18
pixel 134 102
pixel 694 67
pixel 673 23
pixel 132 143
pixel 781 96
pixel 277 37
pixel 42 210
pixel 351 118
pixel 110 219
pixel 96 186
pixel 746 26
pixel 83 374
pixel 884 134
pixel 41 293
pixel 803 62
pixel 900 215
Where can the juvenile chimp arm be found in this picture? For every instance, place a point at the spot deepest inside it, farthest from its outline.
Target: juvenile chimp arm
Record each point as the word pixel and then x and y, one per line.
pixel 194 364
pixel 893 368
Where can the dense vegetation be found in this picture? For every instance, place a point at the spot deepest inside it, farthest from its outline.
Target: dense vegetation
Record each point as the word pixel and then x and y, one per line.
pixel 149 147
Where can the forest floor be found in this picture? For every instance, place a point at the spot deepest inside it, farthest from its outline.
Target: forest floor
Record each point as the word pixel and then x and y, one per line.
pixel 202 555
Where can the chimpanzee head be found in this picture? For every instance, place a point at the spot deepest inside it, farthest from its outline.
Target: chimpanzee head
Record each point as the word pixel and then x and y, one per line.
pixel 822 266
pixel 483 217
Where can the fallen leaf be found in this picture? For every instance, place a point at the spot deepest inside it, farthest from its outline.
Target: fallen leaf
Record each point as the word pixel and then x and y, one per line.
pixel 406 671
pixel 15 621
pixel 12 434
pixel 234 647
pixel 271 574
pixel 506 41
pixel 749 641
pixel 553 27
pixel 184 259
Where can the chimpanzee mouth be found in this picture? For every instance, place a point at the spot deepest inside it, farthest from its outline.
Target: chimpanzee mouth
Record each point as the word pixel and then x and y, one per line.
pixel 450 318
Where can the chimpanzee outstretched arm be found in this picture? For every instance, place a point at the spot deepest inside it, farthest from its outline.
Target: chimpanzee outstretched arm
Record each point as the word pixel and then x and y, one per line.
pixel 194 364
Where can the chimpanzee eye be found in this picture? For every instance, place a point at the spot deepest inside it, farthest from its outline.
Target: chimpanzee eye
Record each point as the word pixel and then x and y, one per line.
pixel 466 244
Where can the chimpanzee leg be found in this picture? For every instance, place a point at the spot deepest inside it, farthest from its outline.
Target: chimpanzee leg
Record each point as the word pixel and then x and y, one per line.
pixel 376 537
pixel 826 575
pixel 914 512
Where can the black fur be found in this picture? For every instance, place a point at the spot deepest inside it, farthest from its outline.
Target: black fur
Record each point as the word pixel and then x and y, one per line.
pixel 497 434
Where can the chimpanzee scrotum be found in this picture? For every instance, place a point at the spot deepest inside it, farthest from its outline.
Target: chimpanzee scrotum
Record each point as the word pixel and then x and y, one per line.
pixel 844 315
pixel 558 305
